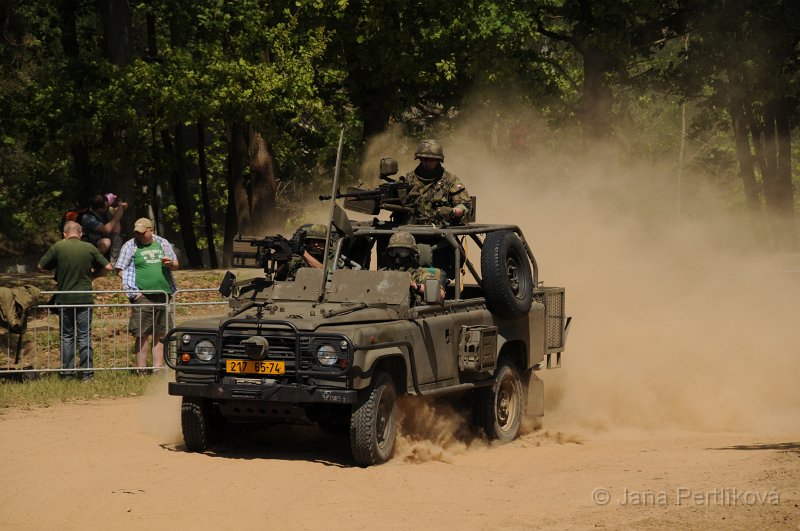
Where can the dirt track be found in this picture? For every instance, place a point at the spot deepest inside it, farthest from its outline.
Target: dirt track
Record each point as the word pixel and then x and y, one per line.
pixel 119 464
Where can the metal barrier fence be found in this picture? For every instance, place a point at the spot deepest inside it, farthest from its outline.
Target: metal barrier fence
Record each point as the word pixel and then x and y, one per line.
pixel 113 341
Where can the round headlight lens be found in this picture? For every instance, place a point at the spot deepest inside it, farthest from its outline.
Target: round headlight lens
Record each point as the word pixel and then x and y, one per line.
pixel 327 355
pixel 186 339
pixel 204 350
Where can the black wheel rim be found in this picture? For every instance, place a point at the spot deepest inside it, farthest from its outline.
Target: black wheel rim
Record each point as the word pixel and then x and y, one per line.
pixel 513 276
pixel 383 422
pixel 506 405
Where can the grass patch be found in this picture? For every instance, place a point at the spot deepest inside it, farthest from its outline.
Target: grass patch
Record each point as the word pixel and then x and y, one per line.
pixel 50 389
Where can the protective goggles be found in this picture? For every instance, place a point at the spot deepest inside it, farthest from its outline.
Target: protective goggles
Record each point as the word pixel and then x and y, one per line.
pixel 400 253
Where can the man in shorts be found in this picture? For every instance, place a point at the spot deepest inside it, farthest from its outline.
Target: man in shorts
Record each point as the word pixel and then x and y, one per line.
pixel 145 264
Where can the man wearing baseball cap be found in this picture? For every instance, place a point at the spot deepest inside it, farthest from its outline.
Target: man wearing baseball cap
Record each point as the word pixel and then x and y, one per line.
pixel 145 265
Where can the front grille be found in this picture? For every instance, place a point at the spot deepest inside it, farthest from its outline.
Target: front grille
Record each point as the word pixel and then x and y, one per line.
pixel 281 347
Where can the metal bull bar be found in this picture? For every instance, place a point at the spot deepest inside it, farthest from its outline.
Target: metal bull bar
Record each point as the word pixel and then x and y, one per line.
pixel 277 330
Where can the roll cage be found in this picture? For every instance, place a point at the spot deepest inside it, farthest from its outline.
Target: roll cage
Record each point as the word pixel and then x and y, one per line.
pixel 441 247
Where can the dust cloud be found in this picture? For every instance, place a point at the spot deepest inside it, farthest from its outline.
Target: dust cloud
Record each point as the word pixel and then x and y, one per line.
pixel 160 413
pixel 678 323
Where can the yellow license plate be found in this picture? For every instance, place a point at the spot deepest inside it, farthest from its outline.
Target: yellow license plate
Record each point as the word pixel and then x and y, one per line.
pixel 256 367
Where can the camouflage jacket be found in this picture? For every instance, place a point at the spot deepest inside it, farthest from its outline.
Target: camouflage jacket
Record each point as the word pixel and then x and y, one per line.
pixel 419 275
pixel 436 199
pixel 288 271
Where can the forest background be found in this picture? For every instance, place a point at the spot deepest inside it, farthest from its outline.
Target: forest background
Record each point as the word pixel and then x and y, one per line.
pixel 222 117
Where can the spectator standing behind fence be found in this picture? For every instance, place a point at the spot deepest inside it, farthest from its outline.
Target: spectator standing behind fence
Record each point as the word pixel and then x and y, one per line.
pixel 145 264
pixel 76 264
pixel 101 228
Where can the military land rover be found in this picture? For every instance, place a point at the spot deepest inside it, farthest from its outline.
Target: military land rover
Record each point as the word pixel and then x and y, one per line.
pixel 338 349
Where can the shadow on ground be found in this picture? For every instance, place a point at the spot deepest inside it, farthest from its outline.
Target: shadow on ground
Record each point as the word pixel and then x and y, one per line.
pixel 780 447
pixel 286 443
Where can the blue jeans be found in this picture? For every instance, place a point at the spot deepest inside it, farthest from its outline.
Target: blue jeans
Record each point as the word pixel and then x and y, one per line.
pixel 76 323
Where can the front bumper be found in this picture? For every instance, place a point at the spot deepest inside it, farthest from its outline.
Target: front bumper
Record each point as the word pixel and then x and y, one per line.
pixel 264 391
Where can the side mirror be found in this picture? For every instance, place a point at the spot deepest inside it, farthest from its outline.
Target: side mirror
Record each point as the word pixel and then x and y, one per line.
pixel 432 288
pixel 228 284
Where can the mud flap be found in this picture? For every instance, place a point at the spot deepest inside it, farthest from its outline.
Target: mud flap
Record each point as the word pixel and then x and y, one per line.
pixel 535 403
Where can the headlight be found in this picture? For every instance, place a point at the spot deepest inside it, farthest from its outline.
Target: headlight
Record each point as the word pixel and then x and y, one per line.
pixel 327 355
pixel 204 350
pixel 186 339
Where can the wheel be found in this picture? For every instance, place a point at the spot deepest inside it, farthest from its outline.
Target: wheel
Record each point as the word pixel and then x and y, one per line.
pixel 201 423
pixel 499 408
pixel 507 279
pixel 373 422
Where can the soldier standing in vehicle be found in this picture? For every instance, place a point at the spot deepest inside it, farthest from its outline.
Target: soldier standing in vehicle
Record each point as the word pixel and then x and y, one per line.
pixel 313 251
pixel 403 255
pixel 440 198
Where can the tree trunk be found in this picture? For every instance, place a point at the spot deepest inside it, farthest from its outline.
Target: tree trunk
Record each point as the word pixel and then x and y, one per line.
pixel 783 177
pixel 201 163
pixel 80 151
pixel 180 191
pixel 241 196
pixel 235 182
pixel 598 100
pixel 747 167
pixel 118 39
pixel 263 185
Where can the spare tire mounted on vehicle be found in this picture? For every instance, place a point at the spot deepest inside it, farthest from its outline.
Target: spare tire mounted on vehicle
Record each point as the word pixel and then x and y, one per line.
pixel 507 279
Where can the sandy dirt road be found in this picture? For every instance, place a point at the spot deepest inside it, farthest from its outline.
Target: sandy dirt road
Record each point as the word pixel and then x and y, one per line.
pixel 119 464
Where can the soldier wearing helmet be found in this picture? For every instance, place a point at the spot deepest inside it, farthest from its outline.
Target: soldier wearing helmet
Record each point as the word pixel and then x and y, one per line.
pixel 313 251
pixel 440 197
pixel 403 255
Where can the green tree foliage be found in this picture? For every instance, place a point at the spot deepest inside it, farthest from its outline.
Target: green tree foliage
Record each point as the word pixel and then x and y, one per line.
pixel 741 59
pixel 219 116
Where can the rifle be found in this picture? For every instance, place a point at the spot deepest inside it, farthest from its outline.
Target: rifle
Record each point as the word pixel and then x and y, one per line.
pixel 272 251
pixel 392 195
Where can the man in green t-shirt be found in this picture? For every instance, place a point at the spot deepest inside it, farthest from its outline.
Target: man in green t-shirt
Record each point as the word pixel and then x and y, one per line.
pixel 76 264
pixel 145 264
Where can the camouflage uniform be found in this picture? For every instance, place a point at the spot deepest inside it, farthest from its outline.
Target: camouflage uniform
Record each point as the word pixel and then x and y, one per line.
pixel 419 275
pixel 437 194
pixel 437 197
pixel 288 271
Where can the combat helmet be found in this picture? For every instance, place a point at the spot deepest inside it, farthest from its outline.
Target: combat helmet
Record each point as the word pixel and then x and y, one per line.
pixel 317 232
pixel 403 240
pixel 429 149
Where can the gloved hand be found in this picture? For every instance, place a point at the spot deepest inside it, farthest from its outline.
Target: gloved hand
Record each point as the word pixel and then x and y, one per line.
pixel 444 212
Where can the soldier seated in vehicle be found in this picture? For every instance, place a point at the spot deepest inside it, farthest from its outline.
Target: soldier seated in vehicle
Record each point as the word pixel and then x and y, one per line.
pixel 313 251
pixel 440 198
pixel 403 255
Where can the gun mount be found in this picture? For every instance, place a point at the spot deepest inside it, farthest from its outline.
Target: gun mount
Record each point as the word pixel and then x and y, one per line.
pixel 392 195
pixel 271 251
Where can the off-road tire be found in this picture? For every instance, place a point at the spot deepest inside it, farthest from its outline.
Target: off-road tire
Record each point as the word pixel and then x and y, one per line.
pixel 507 279
pixel 373 422
pixel 499 409
pixel 201 427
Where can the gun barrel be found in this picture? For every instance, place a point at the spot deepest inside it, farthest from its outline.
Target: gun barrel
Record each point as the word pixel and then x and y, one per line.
pixel 353 195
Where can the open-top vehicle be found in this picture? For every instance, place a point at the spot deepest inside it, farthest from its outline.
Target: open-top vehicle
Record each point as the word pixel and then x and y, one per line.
pixel 339 349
